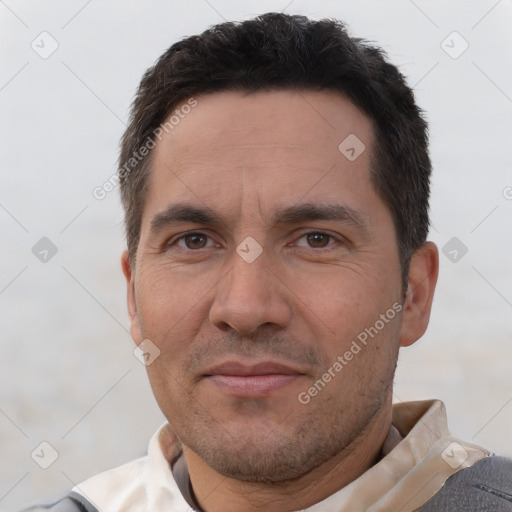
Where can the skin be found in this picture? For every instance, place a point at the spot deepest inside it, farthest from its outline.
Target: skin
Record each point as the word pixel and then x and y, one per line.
pixel 317 284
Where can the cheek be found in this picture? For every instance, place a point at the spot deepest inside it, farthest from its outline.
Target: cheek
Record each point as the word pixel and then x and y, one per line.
pixel 171 310
pixel 342 306
pixel 333 288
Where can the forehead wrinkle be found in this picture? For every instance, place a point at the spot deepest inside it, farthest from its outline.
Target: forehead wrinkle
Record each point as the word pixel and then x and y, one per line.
pixel 241 191
pixel 263 145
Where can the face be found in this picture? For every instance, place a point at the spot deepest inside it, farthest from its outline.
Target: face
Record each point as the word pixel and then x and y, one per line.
pixel 268 276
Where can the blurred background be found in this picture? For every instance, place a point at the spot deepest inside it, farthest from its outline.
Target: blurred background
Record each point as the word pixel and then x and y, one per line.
pixel 68 73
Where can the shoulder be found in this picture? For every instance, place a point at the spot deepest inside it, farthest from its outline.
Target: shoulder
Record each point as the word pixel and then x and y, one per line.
pixel 73 502
pixel 487 485
pixel 102 489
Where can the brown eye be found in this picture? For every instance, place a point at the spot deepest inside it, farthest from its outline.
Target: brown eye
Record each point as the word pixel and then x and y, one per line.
pixel 195 241
pixel 318 240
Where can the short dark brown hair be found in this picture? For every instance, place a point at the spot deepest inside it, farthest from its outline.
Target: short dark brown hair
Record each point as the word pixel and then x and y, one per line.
pixel 281 51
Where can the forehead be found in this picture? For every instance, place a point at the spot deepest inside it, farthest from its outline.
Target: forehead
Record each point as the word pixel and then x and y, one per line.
pixel 281 145
pixel 316 121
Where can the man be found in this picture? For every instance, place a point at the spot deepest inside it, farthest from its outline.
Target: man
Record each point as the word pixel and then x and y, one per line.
pixel 275 181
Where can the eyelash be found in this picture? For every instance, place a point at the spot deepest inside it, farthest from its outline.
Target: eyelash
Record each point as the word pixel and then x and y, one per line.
pixel 182 237
pixel 332 240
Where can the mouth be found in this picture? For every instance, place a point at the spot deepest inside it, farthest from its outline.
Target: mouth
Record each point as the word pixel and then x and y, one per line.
pixel 251 380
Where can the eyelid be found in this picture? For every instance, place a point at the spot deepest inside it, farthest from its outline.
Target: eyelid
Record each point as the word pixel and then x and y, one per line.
pixel 172 242
pixel 335 238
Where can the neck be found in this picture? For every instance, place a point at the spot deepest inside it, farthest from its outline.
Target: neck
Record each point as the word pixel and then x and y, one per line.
pixel 217 493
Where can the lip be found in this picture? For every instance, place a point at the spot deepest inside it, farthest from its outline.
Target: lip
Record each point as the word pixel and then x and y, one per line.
pixel 251 380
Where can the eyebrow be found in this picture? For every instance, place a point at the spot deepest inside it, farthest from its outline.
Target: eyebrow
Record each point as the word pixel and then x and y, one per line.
pixel 184 213
pixel 311 211
pixel 291 215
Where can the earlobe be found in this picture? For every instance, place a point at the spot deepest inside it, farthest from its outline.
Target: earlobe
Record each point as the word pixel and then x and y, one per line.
pixel 130 298
pixel 423 273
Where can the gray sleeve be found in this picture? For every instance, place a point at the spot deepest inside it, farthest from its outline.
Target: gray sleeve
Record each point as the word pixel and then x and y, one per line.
pixel 73 502
pixel 486 486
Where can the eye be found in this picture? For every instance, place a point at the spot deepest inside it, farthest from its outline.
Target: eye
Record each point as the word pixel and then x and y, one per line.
pixel 194 241
pixel 315 240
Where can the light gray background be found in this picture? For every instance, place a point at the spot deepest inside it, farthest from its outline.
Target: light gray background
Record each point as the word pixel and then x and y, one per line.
pixel 68 375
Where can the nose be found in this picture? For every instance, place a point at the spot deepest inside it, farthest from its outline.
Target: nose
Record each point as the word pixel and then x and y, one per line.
pixel 250 296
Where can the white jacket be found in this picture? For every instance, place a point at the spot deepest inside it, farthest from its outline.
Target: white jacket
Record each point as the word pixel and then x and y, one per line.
pixel 404 479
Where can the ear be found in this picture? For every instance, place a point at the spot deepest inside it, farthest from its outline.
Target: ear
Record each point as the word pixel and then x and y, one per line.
pixel 423 272
pixel 135 328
